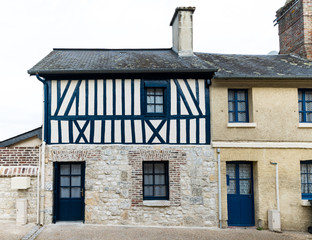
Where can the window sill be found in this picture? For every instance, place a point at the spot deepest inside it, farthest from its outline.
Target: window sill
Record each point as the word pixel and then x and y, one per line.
pixel 156 203
pixel 305 125
pixel 242 125
pixel 305 203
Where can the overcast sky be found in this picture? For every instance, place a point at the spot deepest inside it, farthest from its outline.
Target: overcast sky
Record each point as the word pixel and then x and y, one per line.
pixel 30 29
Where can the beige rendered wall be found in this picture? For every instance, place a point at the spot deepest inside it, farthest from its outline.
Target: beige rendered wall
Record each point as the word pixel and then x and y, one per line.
pixel 273 107
pixel 294 216
pixel 30 142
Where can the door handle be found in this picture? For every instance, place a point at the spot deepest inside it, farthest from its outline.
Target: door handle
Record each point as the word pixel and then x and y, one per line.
pixel 81 192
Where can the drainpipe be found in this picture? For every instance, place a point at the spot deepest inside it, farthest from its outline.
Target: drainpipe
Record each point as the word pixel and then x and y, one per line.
pixel 277 185
pixel 42 184
pixel 40 218
pixel 38 189
pixel 219 187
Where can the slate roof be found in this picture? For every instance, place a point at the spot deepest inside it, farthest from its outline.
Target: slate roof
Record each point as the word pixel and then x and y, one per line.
pixel 258 66
pixel 73 61
pixel 109 61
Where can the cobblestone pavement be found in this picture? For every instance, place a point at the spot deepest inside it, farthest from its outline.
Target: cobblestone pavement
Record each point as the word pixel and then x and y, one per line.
pixel 97 232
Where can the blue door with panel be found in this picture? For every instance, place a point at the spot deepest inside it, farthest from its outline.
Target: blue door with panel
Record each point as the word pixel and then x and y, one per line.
pixel 69 192
pixel 240 197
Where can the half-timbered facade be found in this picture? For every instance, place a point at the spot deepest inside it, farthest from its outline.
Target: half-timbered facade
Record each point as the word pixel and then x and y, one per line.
pixel 121 111
pixel 127 134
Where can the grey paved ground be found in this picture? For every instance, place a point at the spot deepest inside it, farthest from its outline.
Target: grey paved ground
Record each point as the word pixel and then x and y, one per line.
pixel 10 231
pixel 97 232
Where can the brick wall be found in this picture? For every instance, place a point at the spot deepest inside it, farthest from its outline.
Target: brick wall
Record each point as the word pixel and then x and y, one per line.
pixel 295 28
pixel 19 161
pixel 175 158
pixel 19 156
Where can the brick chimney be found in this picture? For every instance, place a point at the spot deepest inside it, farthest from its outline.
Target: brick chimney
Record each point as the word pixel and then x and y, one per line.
pixel 182 31
pixel 295 28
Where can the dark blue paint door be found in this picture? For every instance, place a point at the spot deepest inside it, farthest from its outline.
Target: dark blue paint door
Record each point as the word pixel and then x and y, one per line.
pixel 69 194
pixel 240 194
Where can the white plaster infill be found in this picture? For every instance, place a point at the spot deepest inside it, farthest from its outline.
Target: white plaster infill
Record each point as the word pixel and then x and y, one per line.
pixel 222 144
pixel 242 125
pixel 305 203
pixel 305 125
pixel 156 203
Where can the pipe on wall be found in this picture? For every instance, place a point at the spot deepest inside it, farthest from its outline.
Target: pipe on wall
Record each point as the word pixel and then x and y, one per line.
pixel 219 187
pixel 277 185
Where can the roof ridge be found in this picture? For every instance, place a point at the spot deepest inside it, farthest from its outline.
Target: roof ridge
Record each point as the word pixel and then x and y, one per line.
pixel 112 49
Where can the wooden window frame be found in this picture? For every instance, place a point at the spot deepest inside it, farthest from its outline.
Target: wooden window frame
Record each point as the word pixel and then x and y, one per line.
pixel 166 174
pixel 303 102
pixel 306 196
pixel 154 84
pixel 236 111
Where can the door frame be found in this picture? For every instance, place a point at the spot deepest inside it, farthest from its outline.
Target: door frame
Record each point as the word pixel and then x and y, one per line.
pixel 56 190
pixel 251 163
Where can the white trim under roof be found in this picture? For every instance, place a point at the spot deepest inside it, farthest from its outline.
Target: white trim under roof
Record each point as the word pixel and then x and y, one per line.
pixel 221 144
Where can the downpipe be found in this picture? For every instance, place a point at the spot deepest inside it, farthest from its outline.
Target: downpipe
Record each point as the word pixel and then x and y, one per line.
pixel 219 187
pixel 41 173
pixel 277 185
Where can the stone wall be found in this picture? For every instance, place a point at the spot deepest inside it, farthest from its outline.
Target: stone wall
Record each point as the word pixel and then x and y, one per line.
pixel 113 184
pixel 18 161
pixel 8 198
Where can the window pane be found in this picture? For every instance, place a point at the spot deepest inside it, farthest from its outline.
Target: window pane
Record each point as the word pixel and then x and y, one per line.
pixel 159 179
pixel 301 117
pixel 300 106
pixel 160 191
pixel 241 95
pixel 303 178
pixel 158 91
pixel 148 179
pixel 231 95
pixel 231 106
pixel 75 192
pixel 303 168
pixel 75 181
pixel 241 106
pixel 231 188
pixel 159 108
pixel 65 181
pixel 308 106
pixel 64 192
pixel 308 95
pixel 242 117
pixel 309 178
pixel 309 168
pixel 244 171
pixel 232 117
pixel 65 169
pixel 150 99
pixel 309 188
pixel 148 168
pixel 150 91
pixel 150 108
pixel 159 168
pixel 159 99
pixel 230 170
pixel 309 117
pixel 300 95
pixel 148 191
pixel 245 187
pixel 304 188
pixel 76 169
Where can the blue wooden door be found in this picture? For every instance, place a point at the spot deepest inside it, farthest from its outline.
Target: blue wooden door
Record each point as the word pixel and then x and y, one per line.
pixel 69 192
pixel 240 194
